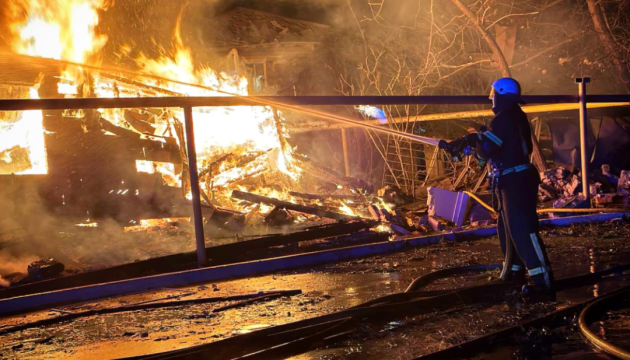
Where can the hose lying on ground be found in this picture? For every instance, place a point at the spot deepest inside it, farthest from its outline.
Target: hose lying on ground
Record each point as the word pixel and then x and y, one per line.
pixel 385 308
pixel 594 311
pixel 551 210
pixel 424 280
pixel 481 344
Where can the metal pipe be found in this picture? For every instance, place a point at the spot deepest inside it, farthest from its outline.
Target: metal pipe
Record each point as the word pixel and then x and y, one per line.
pixel 290 102
pixel 584 137
pixel 286 101
pixel 279 101
pixel 194 188
pixel 344 144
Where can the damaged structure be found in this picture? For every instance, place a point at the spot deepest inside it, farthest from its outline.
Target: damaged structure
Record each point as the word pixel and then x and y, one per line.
pixel 171 179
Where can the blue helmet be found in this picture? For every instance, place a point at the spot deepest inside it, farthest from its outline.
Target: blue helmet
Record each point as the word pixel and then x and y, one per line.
pixel 508 87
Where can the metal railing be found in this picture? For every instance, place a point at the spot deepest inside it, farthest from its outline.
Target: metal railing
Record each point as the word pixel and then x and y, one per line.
pixel 187 103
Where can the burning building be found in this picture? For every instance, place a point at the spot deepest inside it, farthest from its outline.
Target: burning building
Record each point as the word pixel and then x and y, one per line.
pixel 130 165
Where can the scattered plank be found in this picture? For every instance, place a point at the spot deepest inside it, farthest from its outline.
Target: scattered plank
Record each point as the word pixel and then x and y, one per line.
pixel 248 302
pixel 326 196
pixel 229 252
pixel 221 254
pixel 313 210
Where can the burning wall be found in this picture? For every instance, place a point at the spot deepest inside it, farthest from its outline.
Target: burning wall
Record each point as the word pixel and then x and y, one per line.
pixel 106 162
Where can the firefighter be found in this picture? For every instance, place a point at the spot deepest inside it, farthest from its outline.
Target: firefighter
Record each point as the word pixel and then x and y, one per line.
pixel 506 144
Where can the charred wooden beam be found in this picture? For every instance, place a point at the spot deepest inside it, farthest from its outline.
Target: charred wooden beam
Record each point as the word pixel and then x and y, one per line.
pixel 313 210
pixel 183 261
pixel 238 249
pixel 208 168
pixel 325 196
pixel 140 85
pixel 150 150
pixel 139 124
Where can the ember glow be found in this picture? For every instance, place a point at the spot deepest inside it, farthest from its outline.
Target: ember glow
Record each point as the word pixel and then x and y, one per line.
pixel 66 30
pixel 240 147
pixel 221 130
pixel 22 145
pixel 57 29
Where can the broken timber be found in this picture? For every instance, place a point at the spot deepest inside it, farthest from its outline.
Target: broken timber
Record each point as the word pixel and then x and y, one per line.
pixel 51 299
pixel 313 210
pixel 221 255
pixel 324 197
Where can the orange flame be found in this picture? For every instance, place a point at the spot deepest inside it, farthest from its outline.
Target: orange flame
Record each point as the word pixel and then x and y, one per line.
pixel 57 29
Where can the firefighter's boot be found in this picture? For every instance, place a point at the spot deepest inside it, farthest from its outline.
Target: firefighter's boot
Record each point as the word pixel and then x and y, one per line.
pixel 540 291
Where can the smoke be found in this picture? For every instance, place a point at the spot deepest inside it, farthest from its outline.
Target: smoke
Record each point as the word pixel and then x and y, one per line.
pixel 31 229
pixel 12 263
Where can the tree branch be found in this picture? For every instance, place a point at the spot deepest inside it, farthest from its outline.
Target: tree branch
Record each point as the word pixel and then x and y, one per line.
pixel 542 52
pixel 497 54
pixel 608 41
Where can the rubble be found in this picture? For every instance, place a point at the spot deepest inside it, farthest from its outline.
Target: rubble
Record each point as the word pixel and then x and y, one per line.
pixel 558 183
pixel 563 188
pixel 279 217
pixel 313 210
pixel 569 202
pixel 394 195
pixel 624 180
pixel 45 268
pixel 616 200
pixel 479 215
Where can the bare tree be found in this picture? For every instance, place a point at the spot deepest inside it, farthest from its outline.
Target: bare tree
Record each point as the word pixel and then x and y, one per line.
pixel 457 47
pixel 615 49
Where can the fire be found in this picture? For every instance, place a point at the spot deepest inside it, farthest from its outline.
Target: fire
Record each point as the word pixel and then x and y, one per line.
pixel 27 132
pixel 147 224
pixel 67 30
pixel 233 144
pixel 57 29
pixel 240 130
pixel 220 130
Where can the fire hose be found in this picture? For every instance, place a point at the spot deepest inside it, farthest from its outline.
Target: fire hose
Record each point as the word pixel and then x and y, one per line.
pixel 596 309
pixel 289 339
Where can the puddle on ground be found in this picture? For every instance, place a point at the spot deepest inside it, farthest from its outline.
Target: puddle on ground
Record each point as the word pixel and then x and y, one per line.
pixel 334 287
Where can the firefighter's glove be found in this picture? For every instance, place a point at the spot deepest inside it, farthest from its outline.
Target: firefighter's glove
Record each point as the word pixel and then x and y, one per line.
pixel 461 147
pixel 454 148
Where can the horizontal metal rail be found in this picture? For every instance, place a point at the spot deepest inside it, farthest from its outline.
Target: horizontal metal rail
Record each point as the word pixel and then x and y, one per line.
pixel 178 101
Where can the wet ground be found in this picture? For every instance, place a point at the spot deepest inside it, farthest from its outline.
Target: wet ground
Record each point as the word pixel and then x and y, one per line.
pixel 575 250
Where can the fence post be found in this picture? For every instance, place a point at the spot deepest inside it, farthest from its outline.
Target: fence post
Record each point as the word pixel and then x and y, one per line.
pixel 194 188
pixel 584 151
pixel 344 144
